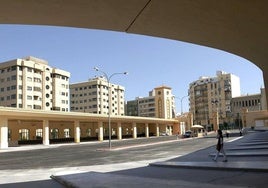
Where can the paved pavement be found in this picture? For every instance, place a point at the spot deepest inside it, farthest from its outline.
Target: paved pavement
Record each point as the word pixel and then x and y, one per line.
pixel 247 166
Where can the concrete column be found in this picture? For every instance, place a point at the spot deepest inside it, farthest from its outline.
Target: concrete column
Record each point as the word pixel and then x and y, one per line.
pixel 100 126
pixel 119 131
pixel 3 133
pixel 147 130
pixel 76 131
pixel 157 129
pixel 134 127
pixel 170 130
pixel 45 132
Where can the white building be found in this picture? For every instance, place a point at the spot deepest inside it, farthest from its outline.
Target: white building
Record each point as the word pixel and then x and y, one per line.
pixel 92 96
pixel 30 83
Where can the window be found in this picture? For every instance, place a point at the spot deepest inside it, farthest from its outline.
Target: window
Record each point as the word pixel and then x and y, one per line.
pixel 14 77
pixel 37 89
pixel 14 96
pixel 29 69
pixel 39 134
pixel 54 133
pixel 66 133
pixel 29 88
pixel 38 80
pixel 29 97
pixel 13 87
pixel 89 132
pixel 24 134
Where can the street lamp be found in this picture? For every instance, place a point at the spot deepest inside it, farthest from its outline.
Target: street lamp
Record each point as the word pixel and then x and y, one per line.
pixel 215 102
pixel 181 102
pixel 108 78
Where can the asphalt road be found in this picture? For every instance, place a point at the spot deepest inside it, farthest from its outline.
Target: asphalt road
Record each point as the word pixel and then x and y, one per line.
pixel 86 154
pixel 32 168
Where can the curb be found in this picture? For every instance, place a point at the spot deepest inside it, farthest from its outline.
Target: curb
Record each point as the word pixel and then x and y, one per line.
pixel 234 166
pixel 62 181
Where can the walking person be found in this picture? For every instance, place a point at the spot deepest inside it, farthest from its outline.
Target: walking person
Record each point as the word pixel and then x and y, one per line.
pixel 220 147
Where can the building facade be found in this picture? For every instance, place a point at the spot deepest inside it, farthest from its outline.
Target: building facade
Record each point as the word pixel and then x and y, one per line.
pixel 160 104
pixel 30 83
pixel 131 108
pixel 146 106
pixel 92 96
pixel 210 99
pixel 248 103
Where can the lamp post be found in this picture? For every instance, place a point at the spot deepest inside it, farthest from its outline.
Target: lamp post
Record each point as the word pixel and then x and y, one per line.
pixel 181 102
pixel 215 102
pixel 108 78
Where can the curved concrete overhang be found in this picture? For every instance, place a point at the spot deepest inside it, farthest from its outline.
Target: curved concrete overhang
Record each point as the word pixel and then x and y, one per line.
pixel 239 27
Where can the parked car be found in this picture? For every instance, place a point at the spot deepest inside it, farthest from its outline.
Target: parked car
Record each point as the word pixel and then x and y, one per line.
pixel 188 134
pixel 164 134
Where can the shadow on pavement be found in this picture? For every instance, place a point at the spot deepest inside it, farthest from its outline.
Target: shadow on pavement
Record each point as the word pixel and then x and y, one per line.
pixel 33 184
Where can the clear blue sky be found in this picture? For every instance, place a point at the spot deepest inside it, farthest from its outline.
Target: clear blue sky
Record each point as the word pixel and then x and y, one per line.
pixel 150 61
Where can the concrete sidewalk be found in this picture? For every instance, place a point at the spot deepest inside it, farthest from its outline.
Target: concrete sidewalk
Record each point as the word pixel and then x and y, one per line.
pixel 253 159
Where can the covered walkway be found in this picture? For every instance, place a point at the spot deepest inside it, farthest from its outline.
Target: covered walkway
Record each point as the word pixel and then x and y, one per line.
pixel 44 126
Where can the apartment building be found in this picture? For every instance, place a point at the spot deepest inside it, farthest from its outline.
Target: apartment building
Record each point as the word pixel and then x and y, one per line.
pixel 30 83
pixel 210 97
pixel 131 107
pixel 146 106
pixel 160 103
pixel 92 96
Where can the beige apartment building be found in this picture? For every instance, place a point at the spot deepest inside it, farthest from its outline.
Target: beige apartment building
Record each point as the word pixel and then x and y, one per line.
pixel 92 96
pixel 160 104
pixel 210 99
pixel 30 83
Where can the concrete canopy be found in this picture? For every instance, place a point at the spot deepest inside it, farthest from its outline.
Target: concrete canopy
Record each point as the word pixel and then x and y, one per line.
pixel 239 26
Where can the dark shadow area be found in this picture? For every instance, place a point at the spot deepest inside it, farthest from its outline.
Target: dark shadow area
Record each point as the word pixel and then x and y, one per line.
pixel 34 184
pixel 165 177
